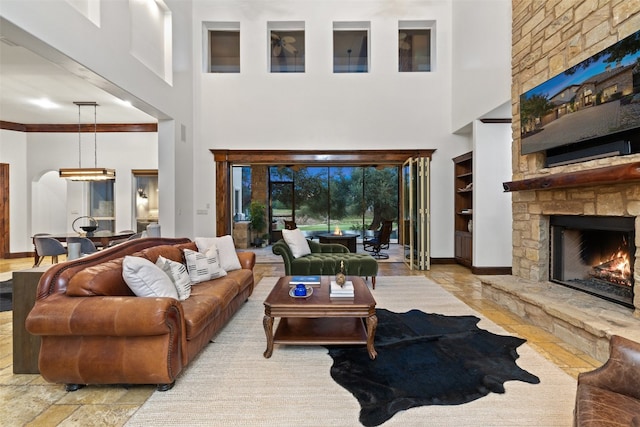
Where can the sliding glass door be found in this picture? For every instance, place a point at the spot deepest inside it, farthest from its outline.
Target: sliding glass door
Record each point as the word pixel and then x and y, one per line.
pixel 415 213
pixel 352 199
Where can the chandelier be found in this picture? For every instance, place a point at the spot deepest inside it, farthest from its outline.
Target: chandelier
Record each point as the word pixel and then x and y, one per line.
pixel 88 174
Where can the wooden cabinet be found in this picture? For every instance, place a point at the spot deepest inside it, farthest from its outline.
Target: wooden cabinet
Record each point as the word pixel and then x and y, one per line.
pixel 463 205
pixel 26 347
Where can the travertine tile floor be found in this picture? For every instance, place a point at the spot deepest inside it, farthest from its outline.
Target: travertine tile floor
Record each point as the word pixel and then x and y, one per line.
pixel 29 400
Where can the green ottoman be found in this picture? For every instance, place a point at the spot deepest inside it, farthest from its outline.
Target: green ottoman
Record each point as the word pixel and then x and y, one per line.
pixel 324 260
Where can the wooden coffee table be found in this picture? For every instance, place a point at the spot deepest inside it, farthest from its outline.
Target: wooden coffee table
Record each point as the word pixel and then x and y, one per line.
pixel 319 319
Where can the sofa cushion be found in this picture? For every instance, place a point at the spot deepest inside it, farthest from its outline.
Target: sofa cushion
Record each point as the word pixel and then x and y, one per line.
pixel 326 263
pixel 297 242
pixel 243 278
pixel 147 279
pixel 225 247
pixel 178 274
pixel 104 279
pixel 202 267
pixel 598 407
pixel 206 302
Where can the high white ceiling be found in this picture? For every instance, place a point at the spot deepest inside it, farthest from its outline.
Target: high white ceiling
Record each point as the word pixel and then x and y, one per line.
pixel 26 77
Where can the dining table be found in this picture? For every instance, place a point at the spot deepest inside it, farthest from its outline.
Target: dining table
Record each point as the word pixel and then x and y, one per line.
pixel 102 239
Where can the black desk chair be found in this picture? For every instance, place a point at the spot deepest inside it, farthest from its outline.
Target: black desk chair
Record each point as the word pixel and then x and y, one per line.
pixel 380 241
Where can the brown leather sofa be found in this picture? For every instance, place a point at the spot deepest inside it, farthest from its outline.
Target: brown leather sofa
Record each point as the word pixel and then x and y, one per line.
pixel 610 395
pixel 96 331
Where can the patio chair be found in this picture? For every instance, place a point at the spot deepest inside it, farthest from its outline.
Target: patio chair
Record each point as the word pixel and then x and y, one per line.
pixel 380 241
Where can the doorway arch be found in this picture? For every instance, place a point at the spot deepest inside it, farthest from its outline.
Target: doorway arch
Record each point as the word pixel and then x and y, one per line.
pixel 49 204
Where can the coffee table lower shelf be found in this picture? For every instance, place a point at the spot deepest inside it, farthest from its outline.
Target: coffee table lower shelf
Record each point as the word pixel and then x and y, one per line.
pixel 320 331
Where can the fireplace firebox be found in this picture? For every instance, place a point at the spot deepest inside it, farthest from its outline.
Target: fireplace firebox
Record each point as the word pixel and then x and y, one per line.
pixel 594 254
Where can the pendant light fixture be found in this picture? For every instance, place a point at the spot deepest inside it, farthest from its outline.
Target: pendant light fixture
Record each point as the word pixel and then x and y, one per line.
pixel 88 174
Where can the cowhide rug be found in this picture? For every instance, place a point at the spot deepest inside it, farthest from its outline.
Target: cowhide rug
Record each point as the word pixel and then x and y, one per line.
pixel 426 359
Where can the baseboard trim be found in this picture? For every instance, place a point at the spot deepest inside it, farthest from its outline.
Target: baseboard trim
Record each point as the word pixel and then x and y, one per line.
pixel 443 261
pixel 19 255
pixel 491 271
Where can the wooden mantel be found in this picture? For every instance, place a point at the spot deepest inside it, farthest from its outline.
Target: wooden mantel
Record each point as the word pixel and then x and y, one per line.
pixel 600 176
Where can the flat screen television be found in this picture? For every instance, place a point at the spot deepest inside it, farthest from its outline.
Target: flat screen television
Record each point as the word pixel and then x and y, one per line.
pixel 593 108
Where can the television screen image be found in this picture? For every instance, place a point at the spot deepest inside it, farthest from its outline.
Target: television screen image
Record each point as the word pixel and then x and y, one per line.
pixel 597 99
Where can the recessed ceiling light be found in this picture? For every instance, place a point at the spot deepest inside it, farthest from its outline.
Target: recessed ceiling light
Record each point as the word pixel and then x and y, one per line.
pixel 45 103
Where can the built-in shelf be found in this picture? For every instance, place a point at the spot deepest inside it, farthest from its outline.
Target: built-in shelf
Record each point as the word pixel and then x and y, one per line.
pixel 463 181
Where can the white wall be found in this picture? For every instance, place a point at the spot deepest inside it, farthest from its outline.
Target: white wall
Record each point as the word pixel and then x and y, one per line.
pixel 48 205
pixel 481 57
pixel 104 48
pixel 48 152
pixel 492 215
pixel 382 109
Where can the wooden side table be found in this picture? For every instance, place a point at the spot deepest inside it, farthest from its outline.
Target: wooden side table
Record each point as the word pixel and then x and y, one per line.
pixel 26 347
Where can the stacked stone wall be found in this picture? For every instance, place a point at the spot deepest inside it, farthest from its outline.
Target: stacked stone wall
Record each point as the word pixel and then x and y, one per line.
pixel 548 38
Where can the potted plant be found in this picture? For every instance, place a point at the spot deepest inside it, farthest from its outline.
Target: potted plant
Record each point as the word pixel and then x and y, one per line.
pixel 258 211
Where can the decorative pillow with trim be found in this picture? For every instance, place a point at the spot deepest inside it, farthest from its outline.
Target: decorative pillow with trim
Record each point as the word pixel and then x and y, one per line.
pixel 226 248
pixel 202 267
pixel 297 242
pixel 147 279
pixel 178 274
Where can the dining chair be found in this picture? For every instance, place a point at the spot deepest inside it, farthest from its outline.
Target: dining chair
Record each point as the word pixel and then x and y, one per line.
pixel 153 230
pixel 124 239
pixel 86 245
pixel 48 246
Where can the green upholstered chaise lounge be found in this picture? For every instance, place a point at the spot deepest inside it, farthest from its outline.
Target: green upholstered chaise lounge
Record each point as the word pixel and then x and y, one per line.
pixel 324 260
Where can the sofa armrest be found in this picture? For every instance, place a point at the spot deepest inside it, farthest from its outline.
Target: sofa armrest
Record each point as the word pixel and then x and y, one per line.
pixel 281 248
pixel 247 259
pixel 104 316
pixel 334 248
pixel 621 372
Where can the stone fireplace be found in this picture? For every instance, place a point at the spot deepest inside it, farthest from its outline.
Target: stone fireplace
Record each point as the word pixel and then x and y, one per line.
pixel 547 39
pixel 594 254
pixel 573 206
pixel 584 213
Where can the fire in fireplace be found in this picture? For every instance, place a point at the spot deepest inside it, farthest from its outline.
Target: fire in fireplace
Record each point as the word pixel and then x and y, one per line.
pixel 595 255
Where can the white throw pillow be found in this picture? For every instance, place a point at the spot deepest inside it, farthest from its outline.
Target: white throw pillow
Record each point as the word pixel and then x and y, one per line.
pixel 227 255
pixel 297 242
pixel 147 279
pixel 178 274
pixel 202 267
pixel 204 243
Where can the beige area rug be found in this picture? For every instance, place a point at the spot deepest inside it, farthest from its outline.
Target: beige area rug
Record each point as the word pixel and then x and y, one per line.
pixel 266 256
pixel 232 384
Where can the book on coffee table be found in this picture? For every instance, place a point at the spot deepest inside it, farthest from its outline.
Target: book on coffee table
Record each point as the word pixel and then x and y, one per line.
pixel 345 291
pixel 305 280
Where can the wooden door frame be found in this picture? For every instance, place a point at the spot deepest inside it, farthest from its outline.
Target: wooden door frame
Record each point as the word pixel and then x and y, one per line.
pixel 226 159
pixel 5 237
